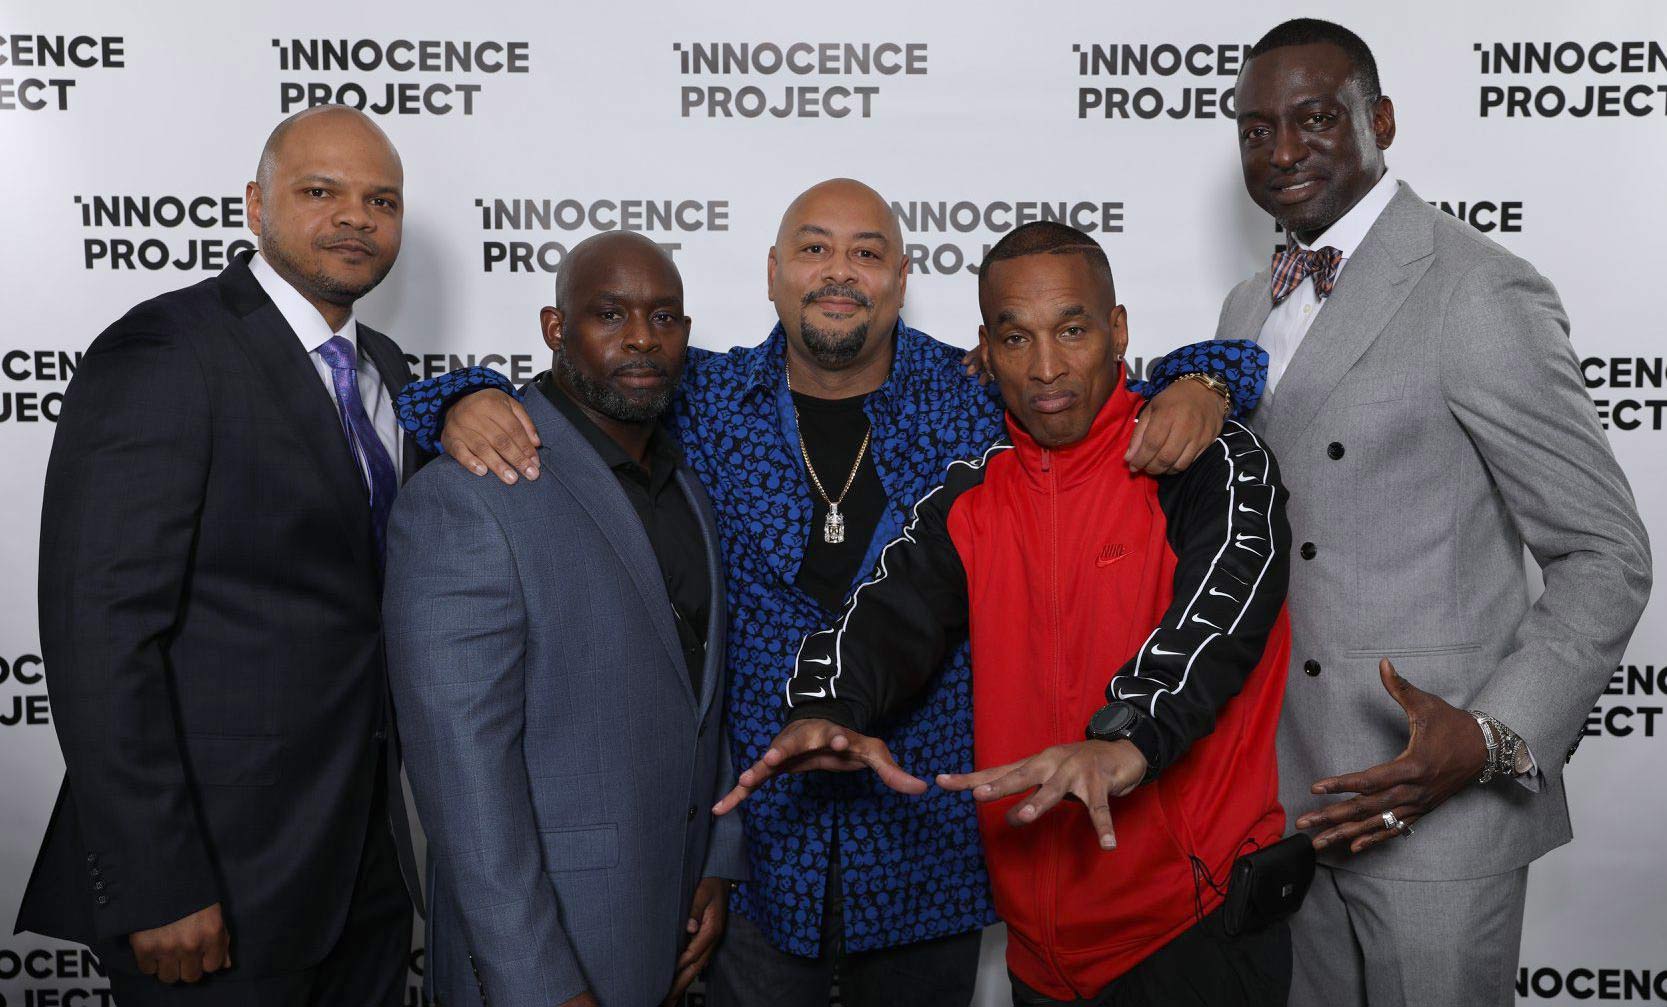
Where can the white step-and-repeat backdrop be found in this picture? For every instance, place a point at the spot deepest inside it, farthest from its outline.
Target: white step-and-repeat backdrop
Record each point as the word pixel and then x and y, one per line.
pixel 127 132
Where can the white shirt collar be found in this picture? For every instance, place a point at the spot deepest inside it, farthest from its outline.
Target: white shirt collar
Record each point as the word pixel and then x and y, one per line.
pixel 1349 230
pixel 304 319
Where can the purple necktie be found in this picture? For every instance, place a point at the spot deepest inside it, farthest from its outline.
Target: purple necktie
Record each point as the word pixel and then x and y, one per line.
pixel 368 452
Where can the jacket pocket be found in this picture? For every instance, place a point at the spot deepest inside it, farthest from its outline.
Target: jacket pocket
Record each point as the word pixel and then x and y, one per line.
pixel 592 848
pixel 224 760
pixel 1394 652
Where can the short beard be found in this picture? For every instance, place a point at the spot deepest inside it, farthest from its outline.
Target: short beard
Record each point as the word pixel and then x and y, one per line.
pixel 610 401
pixel 833 350
pixel 317 283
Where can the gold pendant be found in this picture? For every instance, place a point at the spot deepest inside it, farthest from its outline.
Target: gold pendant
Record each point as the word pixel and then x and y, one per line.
pixel 833 529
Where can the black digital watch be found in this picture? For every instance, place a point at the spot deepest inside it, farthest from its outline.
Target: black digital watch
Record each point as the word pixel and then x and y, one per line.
pixel 1121 721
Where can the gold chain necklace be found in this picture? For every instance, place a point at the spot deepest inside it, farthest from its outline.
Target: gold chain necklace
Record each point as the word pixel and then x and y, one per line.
pixel 833 529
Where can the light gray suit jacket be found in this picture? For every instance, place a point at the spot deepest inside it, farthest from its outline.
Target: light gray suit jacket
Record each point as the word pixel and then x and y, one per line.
pixel 563 767
pixel 1441 371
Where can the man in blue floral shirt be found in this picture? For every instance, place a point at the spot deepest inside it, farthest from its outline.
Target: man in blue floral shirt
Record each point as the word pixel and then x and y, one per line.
pixel 811 445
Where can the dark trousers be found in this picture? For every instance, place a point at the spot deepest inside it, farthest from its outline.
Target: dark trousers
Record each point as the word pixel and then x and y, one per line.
pixel 366 968
pixel 748 971
pixel 1203 967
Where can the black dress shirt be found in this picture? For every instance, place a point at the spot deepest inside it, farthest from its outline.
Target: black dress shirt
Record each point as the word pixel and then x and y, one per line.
pixel 667 517
pixel 833 430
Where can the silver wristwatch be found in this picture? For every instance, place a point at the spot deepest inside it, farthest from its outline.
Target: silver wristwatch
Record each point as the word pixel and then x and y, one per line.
pixel 1507 755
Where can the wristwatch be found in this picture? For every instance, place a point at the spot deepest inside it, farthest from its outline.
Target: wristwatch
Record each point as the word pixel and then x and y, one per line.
pixel 1213 383
pixel 1121 721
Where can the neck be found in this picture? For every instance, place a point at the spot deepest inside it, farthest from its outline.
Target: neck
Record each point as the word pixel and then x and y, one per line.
pixel 631 437
pixel 810 378
pixel 335 315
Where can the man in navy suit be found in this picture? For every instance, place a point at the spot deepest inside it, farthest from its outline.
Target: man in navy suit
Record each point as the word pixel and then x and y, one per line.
pixel 211 563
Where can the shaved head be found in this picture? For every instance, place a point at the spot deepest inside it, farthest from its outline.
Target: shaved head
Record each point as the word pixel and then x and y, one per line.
pixel 578 266
pixel 843 191
pixel 327 116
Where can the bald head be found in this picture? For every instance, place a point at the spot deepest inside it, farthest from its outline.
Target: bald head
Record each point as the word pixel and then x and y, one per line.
pixel 837 274
pixel 838 196
pixel 321 120
pixel 592 260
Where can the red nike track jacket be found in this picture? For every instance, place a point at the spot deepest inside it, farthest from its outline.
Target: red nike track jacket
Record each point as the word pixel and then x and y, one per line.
pixel 1079 581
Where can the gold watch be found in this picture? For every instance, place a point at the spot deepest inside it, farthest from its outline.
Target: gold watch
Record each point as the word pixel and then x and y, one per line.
pixel 1213 383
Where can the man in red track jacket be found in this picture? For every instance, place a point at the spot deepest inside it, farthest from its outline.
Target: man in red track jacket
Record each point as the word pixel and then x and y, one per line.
pixel 1068 572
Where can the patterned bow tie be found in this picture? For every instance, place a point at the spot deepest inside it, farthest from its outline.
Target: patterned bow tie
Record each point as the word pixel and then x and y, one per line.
pixel 1293 265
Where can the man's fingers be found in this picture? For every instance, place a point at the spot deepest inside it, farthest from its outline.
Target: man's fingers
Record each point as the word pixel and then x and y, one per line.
pixel 1367 781
pixel 1153 435
pixel 1382 835
pixel 213 960
pixel 878 758
pixel 527 426
pixel 1099 812
pixel 167 969
pixel 967 781
pixel 1347 832
pixel 730 801
pixel 1354 808
pixel 509 439
pixel 1051 792
pixel 190 966
pixel 1403 691
pixel 1018 780
pixel 147 962
pixel 468 459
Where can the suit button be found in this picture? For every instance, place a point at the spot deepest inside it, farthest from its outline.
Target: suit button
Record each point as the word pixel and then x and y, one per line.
pixel 98 886
pixel 1308 550
pixel 97 873
pixel 1334 451
pixel 1311 666
pixel 92 858
pixel 103 900
pixel 692 812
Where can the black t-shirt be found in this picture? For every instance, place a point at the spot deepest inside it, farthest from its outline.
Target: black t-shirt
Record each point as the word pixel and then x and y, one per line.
pixel 833 430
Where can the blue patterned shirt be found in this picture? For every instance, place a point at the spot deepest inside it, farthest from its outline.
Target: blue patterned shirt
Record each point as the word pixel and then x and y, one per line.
pixel 912 868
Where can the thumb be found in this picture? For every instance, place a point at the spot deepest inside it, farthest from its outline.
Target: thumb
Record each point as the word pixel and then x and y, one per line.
pixel 1399 689
pixel 1134 442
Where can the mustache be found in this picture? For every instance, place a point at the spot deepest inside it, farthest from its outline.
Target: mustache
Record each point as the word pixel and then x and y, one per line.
pixel 838 290
pixel 350 239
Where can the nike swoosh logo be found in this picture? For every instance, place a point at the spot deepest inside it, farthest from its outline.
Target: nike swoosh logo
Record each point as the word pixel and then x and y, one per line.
pixel 1221 594
pixel 1198 618
pixel 818 694
pixel 1246 509
pixel 1158 651
pixel 818 660
pixel 1245 477
pixel 1108 560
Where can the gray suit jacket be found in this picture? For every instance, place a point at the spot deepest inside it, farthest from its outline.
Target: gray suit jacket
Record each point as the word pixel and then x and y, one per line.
pixel 563 767
pixel 1441 372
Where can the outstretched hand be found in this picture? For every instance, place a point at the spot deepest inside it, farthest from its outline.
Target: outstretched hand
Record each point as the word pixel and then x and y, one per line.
pixel 1445 752
pixel 812 743
pixel 1092 772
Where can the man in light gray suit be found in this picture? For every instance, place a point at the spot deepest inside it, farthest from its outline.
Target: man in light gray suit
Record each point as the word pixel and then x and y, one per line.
pixel 1431 421
pixel 557 660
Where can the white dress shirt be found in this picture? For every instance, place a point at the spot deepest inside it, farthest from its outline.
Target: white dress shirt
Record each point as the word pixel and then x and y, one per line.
pixel 1289 320
pixel 313 331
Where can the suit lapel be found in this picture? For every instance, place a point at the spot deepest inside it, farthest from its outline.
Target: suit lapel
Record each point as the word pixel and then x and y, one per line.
pixel 275 350
pixel 596 488
pixel 1374 283
pixel 716 618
